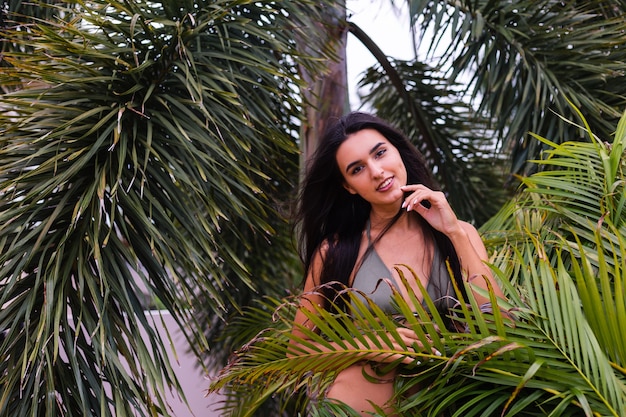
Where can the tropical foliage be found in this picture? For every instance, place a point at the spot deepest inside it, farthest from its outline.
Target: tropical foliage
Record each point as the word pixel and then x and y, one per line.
pixel 559 250
pixel 147 150
pixel 142 145
pixel 486 74
pixel 524 61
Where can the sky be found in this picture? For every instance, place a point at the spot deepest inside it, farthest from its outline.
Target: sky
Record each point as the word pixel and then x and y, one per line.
pixel 388 28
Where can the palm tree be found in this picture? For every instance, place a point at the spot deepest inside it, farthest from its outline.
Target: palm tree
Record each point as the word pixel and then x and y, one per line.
pixel 158 140
pixel 488 73
pixel 142 146
pixel 559 249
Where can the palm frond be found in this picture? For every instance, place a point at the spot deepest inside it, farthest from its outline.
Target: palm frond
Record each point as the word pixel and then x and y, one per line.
pixel 526 59
pixel 579 186
pixel 549 353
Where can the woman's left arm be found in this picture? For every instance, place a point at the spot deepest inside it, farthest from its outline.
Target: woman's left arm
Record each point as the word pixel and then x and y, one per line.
pixel 472 254
pixel 464 237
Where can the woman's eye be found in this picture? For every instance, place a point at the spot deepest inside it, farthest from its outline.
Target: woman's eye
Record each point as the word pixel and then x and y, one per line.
pixel 380 152
pixel 356 170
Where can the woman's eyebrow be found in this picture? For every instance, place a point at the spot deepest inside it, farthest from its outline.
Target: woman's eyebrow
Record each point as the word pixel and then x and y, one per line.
pixel 374 149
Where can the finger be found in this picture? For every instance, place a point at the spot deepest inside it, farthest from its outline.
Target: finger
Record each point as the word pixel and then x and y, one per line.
pixel 407 333
pixel 415 200
pixel 413 342
pixel 421 196
pixel 424 203
pixel 410 360
pixel 414 187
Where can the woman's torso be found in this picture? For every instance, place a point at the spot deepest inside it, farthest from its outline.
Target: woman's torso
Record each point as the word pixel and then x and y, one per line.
pixel 375 272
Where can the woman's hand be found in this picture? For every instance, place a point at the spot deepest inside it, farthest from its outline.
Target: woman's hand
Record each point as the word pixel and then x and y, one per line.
pixel 433 207
pixel 411 343
pixel 466 240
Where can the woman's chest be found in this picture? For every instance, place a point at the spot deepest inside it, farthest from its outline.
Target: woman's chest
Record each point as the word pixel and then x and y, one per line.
pixel 407 251
pixel 403 262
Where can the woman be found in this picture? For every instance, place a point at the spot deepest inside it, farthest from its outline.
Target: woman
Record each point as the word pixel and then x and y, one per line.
pixel 369 203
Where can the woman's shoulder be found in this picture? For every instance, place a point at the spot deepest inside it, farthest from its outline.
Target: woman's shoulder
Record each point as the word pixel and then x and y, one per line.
pixel 320 253
pixel 470 229
pixel 325 245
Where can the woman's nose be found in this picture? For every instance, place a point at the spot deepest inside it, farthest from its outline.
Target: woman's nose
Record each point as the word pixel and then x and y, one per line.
pixel 377 172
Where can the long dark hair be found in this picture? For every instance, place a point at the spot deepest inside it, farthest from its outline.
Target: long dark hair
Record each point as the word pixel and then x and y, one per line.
pixel 327 214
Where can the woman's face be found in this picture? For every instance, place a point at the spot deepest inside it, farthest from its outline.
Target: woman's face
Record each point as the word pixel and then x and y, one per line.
pixel 372 167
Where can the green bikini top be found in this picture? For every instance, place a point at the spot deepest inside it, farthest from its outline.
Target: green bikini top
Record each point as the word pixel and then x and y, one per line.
pixel 374 279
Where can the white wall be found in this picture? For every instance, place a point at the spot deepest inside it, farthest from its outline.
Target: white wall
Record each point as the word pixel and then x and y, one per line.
pixel 193 381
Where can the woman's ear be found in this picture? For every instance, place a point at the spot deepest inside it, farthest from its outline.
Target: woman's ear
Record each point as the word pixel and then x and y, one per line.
pixel 349 188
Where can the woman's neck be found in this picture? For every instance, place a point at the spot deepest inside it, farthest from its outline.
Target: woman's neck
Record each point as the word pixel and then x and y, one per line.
pixel 379 220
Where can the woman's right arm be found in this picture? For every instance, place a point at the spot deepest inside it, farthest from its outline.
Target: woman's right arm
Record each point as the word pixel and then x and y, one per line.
pixel 310 295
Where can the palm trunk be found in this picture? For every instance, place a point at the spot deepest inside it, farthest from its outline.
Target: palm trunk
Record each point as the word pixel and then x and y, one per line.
pixel 327 94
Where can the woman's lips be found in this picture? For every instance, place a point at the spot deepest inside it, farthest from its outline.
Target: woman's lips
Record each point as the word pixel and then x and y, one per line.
pixel 385 185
